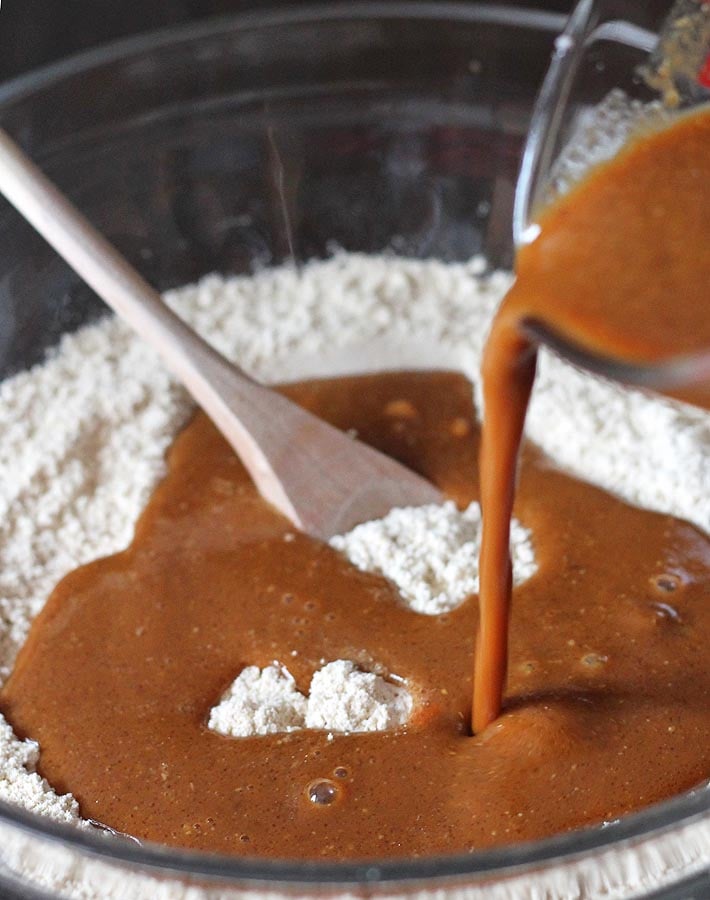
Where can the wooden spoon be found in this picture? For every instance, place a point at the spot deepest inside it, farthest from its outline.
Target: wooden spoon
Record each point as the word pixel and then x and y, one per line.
pixel 324 481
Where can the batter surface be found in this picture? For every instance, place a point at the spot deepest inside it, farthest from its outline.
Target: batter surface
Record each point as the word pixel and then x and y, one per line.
pixel 608 691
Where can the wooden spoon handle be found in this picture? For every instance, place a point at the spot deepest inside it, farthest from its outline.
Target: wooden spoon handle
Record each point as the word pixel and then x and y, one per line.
pixel 321 479
pixel 243 410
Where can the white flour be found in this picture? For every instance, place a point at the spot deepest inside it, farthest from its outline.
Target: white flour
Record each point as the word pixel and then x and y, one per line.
pixel 259 701
pixel 341 699
pixel 84 435
pixel 431 553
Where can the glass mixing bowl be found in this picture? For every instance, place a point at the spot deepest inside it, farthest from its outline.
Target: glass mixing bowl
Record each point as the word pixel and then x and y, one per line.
pixel 240 143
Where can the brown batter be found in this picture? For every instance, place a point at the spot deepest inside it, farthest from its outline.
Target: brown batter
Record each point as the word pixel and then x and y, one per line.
pixel 622 268
pixel 608 688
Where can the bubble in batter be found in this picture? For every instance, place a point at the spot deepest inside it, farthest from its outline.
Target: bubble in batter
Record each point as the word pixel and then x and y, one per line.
pixel 664 612
pixel 666 583
pixel 322 792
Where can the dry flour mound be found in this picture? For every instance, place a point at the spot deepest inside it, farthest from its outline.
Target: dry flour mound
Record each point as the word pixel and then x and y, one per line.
pixel 431 553
pixel 259 701
pixel 651 452
pixel 342 698
pixel 345 699
pixel 21 784
pixel 84 434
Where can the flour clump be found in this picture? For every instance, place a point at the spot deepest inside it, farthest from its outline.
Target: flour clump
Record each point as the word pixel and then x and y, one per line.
pixel 342 698
pixel 259 701
pixel 431 553
pixel 21 784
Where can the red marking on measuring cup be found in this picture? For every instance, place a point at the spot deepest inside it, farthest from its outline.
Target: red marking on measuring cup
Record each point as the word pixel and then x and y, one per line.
pixel 704 74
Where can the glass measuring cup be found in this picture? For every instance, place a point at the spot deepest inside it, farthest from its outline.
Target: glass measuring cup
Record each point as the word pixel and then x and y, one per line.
pixel 608 78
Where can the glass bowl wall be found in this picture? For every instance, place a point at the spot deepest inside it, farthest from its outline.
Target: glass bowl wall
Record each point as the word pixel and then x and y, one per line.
pixel 242 143
pixel 224 146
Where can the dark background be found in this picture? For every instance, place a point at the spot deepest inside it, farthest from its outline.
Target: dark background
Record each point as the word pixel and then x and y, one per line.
pixel 33 32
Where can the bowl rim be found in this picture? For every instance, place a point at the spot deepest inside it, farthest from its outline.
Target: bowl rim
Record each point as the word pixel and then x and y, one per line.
pixel 458 10
pixel 684 810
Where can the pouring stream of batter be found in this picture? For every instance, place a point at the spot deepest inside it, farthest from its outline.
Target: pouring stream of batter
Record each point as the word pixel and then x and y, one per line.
pixel 621 267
